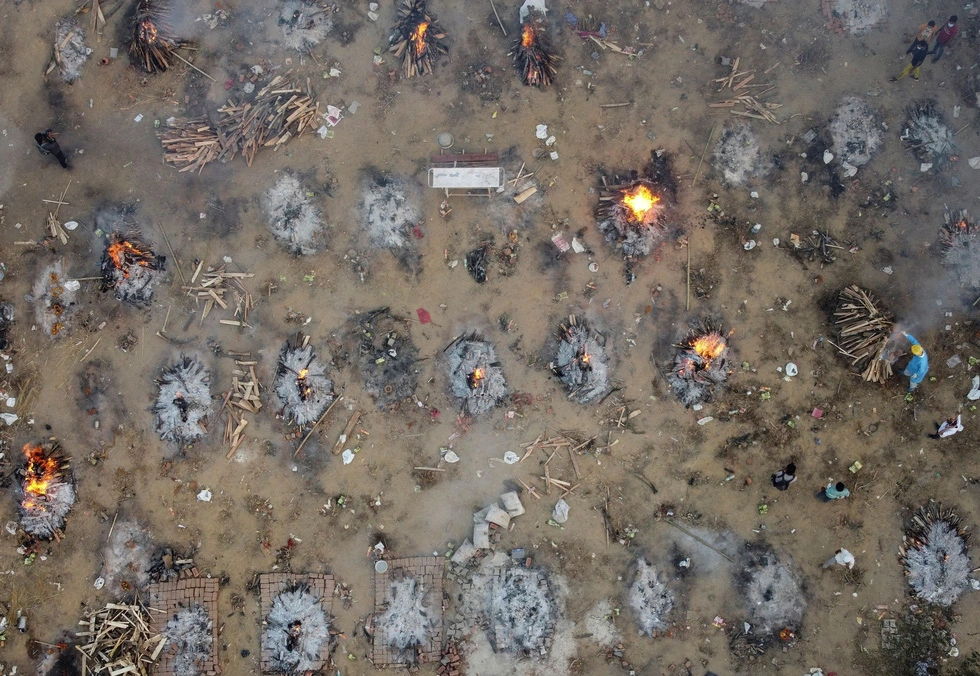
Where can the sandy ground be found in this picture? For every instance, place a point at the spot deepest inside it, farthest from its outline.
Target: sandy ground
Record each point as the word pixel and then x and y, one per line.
pixel 123 469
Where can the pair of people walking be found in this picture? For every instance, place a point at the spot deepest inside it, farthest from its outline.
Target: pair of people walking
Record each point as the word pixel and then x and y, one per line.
pixel 919 49
pixel 782 479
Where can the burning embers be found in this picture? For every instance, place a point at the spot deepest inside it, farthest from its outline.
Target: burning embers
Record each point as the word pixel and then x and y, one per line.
pixel 533 54
pixel 475 375
pixel 153 41
pixel 700 364
pixel 130 268
pixel 959 236
pixel 581 361
pixel 47 492
pixel 54 299
pixel 302 383
pixel 183 401
pixel 417 38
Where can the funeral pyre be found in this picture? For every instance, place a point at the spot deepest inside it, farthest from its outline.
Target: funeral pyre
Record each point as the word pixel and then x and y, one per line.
pixel 935 556
pixel 190 640
pixel 183 401
pixel 416 38
pixel 47 492
pixel 533 54
pixel 700 365
pixel 523 611
pixel 304 24
pixel 296 631
pixel 581 361
pixel 926 133
pixel 392 215
pixel 475 376
pixel 386 357
pixel 959 236
pixel 54 299
pixel 302 383
pixel 773 591
pixel 412 619
pixel 130 268
pixel 153 41
pixel 117 640
pixel 864 329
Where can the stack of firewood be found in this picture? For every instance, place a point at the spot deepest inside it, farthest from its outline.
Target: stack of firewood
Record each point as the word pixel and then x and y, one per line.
pixel 245 396
pixel 416 38
pixel 153 41
pixel 864 329
pixel 749 100
pixel 117 640
pixel 213 286
pixel 190 143
pixel 533 54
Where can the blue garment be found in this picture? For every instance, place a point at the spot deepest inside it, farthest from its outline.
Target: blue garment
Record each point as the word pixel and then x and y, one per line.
pixel 917 367
pixel 833 494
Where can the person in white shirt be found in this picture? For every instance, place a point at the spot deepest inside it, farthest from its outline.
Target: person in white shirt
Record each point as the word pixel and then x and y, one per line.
pixel 841 557
pixel 949 427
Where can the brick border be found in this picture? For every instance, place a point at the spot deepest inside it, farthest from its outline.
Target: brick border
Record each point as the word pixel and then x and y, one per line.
pixel 272 584
pixel 169 597
pixel 430 570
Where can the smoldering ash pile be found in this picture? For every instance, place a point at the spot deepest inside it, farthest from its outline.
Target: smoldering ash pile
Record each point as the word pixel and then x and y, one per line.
pixel 389 207
pixel 189 638
pixel 183 401
pixel 773 591
pixel 581 361
pixel 475 376
pixel 737 156
pixel 47 492
pixel 650 598
pixel 304 24
pixel 54 299
pixel 293 218
pixel 935 555
pixel 960 237
pixel 926 133
pixel 297 628
pixel 700 364
pixel 302 383
pixel 522 611
pixel 70 52
pixel 126 557
pixel 130 268
pixel 409 621
pixel 856 132
pixel 387 358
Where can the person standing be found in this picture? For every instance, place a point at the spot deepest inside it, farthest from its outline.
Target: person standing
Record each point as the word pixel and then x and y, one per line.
pixel 784 477
pixel 841 557
pixel 919 50
pixel 943 38
pixel 836 491
pixel 48 145
pixel 918 365
pixel 926 32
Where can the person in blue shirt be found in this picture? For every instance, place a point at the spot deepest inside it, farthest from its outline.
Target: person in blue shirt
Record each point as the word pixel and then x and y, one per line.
pixel 918 366
pixel 836 491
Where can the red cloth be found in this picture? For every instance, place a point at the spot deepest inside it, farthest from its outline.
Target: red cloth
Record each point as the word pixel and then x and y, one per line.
pixel 947 33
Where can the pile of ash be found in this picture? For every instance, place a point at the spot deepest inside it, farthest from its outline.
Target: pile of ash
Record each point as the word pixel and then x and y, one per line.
pixel 126 558
pixel 183 401
pixel 6 321
pixel 130 268
pixel 581 361
pixel 959 236
pixel 301 382
pixel 475 376
pixel 189 639
pixel 70 52
pixel 304 24
pixel 856 132
pixel 297 629
pixel 738 157
pixel 926 134
pixel 856 17
pixel 387 358
pixel 700 365
pixel 650 599
pixel 935 556
pixel 390 211
pixel 54 299
pixel 47 492
pixel 294 221
pixel 408 622
pixel 773 591
pixel 522 611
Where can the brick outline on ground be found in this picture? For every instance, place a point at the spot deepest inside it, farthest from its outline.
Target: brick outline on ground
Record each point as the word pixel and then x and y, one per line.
pixel 170 597
pixel 429 570
pixel 273 584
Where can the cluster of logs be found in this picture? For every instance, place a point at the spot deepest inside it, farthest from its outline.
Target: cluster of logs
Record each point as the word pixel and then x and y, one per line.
pixel 533 54
pixel 153 41
pixel 864 329
pixel 117 640
pixel 917 532
pixel 417 38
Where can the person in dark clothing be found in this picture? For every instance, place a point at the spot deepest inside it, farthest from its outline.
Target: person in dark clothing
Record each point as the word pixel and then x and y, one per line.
pixel 919 50
pixel 48 145
pixel 943 38
pixel 784 477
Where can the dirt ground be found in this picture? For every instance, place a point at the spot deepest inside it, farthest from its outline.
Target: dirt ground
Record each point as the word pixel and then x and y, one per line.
pixel 265 499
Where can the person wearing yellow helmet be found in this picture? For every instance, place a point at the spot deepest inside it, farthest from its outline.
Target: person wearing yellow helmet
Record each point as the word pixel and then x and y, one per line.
pixel 918 365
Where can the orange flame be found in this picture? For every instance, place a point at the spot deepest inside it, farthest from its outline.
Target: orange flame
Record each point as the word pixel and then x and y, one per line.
pixel 475 377
pixel 148 31
pixel 527 36
pixel 303 373
pixel 124 253
pixel 639 200
pixel 418 37
pixel 585 357
pixel 41 472
pixel 709 346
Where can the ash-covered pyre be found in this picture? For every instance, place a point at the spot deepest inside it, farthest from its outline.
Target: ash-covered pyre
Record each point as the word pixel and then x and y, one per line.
pixel 522 610
pixel 934 553
pixel 54 299
pixel 153 41
pixel 926 133
pixel 864 329
pixel 297 628
pixel 190 639
pixel 581 361
pixel 773 591
pixel 304 24
pixel 183 401
pixel 130 268
pixel 856 132
pixel 533 53
pixel 416 38
pixel 386 357
pixel 411 618
pixel 391 214
pixel 70 52
pixel 650 599
pixel 475 376
pixel 302 383
pixel 960 237
pixel 294 219
pixel 701 364
pixel 47 492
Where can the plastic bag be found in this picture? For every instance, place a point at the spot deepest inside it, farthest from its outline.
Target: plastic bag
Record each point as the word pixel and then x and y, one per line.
pixel 560 513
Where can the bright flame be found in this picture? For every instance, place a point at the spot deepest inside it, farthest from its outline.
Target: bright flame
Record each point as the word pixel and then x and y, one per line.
pixel 418 37
pixel 475 377
pixel 585 357
pixel 527 36
pixel 41 472
pixel 148 31
pixel 709 346
pixel 639 200
pixel 303 373
pixel 124 253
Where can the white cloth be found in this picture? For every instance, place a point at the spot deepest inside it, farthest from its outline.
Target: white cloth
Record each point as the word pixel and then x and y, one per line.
pixel 947 430
pixel 844 558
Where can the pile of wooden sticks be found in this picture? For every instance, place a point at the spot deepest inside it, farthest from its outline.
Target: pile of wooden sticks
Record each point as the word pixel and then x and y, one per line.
pixel 153 41
pixel 417 38
pixel 117 640
pixel 534 56
pixel 190 143
pixel 864 329
pixel 753 107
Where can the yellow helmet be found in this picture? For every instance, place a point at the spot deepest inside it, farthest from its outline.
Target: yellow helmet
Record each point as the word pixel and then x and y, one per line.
pixel 917 350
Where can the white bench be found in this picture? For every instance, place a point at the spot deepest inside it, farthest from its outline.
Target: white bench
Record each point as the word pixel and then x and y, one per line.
pixel 466 178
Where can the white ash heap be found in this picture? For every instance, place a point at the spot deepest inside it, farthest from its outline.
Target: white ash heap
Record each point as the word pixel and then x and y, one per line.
pixel 773 591
pixel 857 17
pixel 935 555
pixel 293 218
pixel 301 382
pixel 581 361
pixel 926 133
pixel 389 207
pixel 126 557
pixel 190 639
pixel 183 401
pixel 475 376
pixel 296 631
pixel 70 52
pixel 304 24
pixel 856 132
pixel 408 621
pixel 522 611
pixel 54 299
pixel 130 268
pixel 737 156
pixel 47 492
pixel 650 599
pixel 960 237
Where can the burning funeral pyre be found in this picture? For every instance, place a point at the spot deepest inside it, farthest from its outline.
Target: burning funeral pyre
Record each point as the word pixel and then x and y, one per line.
pixel 523 611
pixel 926 133
pixel 54 299
pixel 934 553
pixel 301 382
pixel 864 329
pixel 130 268
pixel 475 376
pixel 297 629
pixel 416 38
pixel 701 363
pixel 153 42
pixel 959 236
pixel 387 357
pixel 581 361
pixel 47 492
pixel 533 54
pixel 183 401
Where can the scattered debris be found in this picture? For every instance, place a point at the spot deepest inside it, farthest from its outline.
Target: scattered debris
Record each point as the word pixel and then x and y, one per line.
pixel 302 383
pixel 926 134
pixel 856 132
pixel 183 401
pixel 416 38
pixel 856 17
pixel 935 556
pixel 959 236
pixel 533 54
pixel 54 299
pixel 650 599
pixel 47 492
pixel 130 268
pixel 189 637
pixel 70 52
pixel 738 157
pixel 212 288
pixel 475 376
pixel 753 107
pixel 304 24
pixel 864 330
pixel 296 630
pixel 126 558
pixel 119 640
pixel 522 611
pixel 294 220
pixel 581 361
pixel 700 365
pixel 386 357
